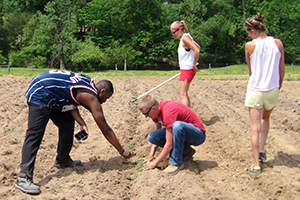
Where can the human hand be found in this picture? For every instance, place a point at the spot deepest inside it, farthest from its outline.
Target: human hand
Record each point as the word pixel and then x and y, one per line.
pixel 150 165
pixel 126 154
pixel 195 68
pixel 86 130
pixel 149 159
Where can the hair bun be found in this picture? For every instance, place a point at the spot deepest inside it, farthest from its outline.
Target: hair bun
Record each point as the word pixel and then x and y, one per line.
pixel 259 17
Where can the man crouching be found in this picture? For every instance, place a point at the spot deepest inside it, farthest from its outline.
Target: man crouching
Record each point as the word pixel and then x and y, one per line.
pixel 183 128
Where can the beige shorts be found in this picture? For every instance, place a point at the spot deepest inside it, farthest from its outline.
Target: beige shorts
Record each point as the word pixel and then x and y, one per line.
pixel 257 99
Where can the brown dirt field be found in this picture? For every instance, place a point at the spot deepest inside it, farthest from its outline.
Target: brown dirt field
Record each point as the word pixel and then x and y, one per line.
pixel 217 171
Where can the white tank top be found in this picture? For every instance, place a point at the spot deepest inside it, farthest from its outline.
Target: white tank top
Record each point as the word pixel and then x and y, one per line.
pixel 185 57
pixel 264 62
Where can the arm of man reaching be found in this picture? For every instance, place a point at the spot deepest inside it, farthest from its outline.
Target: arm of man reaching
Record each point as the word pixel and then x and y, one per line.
pixel 165 151
pixel 76 115
pixel 95 107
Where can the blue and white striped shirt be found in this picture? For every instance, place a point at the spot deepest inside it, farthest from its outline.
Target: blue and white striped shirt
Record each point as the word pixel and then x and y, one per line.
pixel 54 89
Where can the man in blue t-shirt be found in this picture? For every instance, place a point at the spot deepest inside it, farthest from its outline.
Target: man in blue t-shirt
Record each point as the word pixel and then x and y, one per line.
pixel 55 95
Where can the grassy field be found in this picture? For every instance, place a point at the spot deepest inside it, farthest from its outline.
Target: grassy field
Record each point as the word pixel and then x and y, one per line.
pixel 292 72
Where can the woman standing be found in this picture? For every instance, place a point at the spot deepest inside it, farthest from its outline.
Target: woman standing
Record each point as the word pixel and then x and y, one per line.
pixel 265 59
pixel 188 54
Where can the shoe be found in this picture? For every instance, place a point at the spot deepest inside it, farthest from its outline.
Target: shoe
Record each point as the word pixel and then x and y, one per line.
pixel 26 185
pixel 262 155
pixel 256 170
pixel 172 169
pixel 72 163
pixel 189 155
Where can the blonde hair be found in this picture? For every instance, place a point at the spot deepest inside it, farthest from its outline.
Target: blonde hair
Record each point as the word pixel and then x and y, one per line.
pixel 255 23
pixel 182 24
pixel 147 102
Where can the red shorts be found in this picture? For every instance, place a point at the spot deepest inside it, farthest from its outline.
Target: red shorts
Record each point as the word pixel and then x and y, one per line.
pixel 187 74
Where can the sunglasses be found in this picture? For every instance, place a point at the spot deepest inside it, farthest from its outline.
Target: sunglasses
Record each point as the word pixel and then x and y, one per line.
pixel 173 32
pixel 147 113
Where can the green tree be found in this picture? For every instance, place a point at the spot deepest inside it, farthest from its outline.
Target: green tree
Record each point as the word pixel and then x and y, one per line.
pixel 55 34
pixel 13 25
pixel 282 20
pixel 138 23
pixel 4 46
pixel 100 21
pixel 192 12
pixel 87 54
pixel 20 6
pixel 25 37
pixel 145 27
pixel 3 60
pixel 39 32
pixel 217 31
pixel 115 54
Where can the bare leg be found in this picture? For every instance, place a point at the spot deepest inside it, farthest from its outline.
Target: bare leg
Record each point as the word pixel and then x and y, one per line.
pixel 265 127
pixel 255 120
pixel 184 87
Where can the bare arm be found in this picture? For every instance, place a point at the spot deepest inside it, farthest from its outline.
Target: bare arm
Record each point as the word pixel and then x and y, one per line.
pixel 188 43
pixel 249 49
pixel 153 146
pixel 151 154
pixel 165 151
pixel 95 107
pixel 157 126
pixel 281 65
pixel 76 115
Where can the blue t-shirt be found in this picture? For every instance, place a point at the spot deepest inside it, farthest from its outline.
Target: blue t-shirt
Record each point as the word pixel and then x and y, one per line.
pixel 54 89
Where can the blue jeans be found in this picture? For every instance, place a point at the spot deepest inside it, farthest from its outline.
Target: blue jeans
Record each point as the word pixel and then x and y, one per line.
pixel 184 135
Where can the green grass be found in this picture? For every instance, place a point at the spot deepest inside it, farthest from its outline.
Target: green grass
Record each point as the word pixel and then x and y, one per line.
pixel 292 72
pixel 229 70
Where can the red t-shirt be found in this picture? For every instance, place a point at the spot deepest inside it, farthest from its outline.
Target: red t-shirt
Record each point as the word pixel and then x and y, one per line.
pixel 171 111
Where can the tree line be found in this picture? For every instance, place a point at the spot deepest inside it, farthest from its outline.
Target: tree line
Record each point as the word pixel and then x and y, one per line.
pixel 88 35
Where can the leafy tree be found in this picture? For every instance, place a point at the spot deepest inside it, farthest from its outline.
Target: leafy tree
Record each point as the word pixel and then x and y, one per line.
pixel 169 45
pixel 145 27
pixel 25 37
pixel 216 29
pixel 4 46
pixel 13 25
pixel 55 33
pixel 285 25
pixel 115 54
pixel 136 22
pixel 24 57
pixel 192 12
pixel 90 33
pixel 99 19
pixel 3 60
pixel 87 54
pixel 224 28
pixel 20 6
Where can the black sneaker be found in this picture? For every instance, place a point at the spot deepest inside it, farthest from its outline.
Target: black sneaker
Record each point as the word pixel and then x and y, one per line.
pixel 72 163
pixel 26 185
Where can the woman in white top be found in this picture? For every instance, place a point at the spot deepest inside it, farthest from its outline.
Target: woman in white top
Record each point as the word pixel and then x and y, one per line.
pixel 265 59
pixel 188 55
